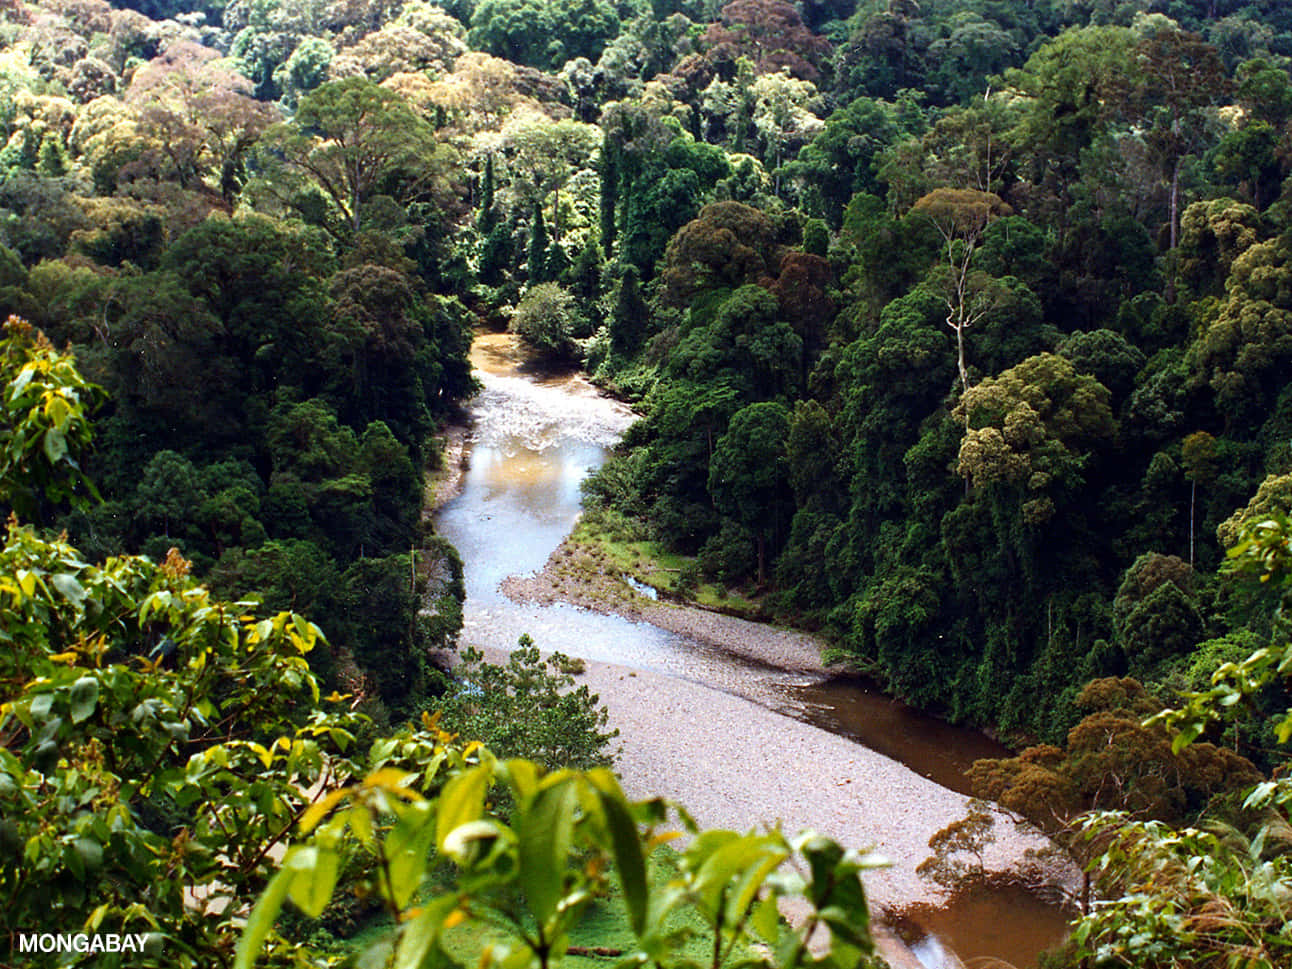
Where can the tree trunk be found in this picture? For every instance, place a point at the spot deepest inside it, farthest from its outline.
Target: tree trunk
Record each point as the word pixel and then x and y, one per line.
pixel 964 370
pixel 1175 202
pixel 1193 496
pixel 1171 267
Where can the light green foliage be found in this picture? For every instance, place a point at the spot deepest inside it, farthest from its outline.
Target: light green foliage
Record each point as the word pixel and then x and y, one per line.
pixel 350 135
pixel 158 741
pixel 1273 495
pixel 1030 425
pixel 541 157
pixel 45 429
pixel 1245 347
pixel 1202 899
pixel 546 320
pixel 528 708
pixel 783 114
pixel 1070 85
pixel 528 877
pixel 1265 551
pixel 1212 235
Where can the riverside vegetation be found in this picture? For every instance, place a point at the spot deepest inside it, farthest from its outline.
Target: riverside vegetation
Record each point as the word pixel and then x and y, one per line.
pixel 960 330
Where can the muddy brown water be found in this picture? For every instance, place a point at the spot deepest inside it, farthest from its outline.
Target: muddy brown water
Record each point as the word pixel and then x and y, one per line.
pixel 855 707
pixel 534 438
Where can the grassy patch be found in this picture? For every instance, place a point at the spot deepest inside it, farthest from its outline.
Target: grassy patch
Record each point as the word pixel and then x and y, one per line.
pixel 596 539
pixel 604 924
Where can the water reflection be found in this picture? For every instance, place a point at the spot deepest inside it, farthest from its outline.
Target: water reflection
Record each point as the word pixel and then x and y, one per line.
pixel 854 707
pixel 984 926
pixel 534 440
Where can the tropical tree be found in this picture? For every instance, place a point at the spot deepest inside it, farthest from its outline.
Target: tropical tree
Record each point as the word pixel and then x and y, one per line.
pixel 749 474
pixel 961 216
pixel 350 137
pixel 547 320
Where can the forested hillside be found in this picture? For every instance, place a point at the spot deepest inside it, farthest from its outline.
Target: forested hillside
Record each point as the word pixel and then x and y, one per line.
pixel 961 329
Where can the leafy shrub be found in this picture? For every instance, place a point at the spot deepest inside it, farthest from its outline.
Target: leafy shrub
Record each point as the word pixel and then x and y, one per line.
pixel 529 708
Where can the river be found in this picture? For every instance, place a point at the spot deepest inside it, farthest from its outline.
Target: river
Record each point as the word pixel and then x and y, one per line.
pixel 533 440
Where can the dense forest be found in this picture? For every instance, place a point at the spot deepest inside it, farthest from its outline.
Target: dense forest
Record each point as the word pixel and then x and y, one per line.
pixel 960 331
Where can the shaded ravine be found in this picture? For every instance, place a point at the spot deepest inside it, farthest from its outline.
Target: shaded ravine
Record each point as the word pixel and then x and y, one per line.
pixel 532 441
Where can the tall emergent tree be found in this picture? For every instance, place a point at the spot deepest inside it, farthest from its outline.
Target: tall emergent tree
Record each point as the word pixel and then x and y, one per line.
pixel 961 216
pixel 352 139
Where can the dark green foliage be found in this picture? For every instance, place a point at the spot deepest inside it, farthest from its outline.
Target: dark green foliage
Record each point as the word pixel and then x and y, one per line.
pixel 842 160
pixel 816 237
pixel 536 264
pixel 629 317
pixel 539 33
pixel 749 473
pixel 1155 613
pixel 270 416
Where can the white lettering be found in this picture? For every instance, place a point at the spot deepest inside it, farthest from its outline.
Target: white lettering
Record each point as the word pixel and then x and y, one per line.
pixel 80 942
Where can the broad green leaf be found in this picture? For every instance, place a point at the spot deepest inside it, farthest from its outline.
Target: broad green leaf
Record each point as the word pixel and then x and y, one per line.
pixel 766 920
pixel 20 382
pixel 57 410
pixel 462 800
pixel 90 853
pixel 407 849
pixel 750 881
pixel 69 587
pixel 55 445
pixel 40 706
pixel 262 918
pixel 629 861
pixel 523 777
pixel 316 872
pixel 307 632
pixel 545 828
pixel 420 935
pixel 85 697
pixel 723 867
pixel 361 824
pixel 392 780
pixel 319 809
